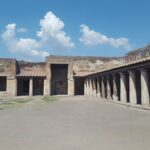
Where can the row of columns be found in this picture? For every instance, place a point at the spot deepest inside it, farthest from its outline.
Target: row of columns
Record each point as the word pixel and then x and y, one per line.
pixel 127 87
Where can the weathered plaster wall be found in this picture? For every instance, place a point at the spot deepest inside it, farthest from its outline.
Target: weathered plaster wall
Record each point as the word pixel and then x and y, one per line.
pixel 85 65
pixel 7 67
pixel 138 54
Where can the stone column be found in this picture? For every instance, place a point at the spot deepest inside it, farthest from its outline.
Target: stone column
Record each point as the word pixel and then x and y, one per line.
pixel 103 87
pixel 71 87
pixel 47 80
pixel 144 88
pixel 88 87
pixel 91 88
pixel 98 87
pixel 70 80
pixel 94 87
pixel 85 87
pixel 47 85
pixel 115 91
pixel 123 92
pixel 12 86
pixel 31 87
pixel 108 88
pixel 132 88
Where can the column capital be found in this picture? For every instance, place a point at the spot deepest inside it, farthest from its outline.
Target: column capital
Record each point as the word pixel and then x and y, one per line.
pixel 113 74
pixel 97 77
pixel 93 77
pixel 102 77
pixel 143 69
pixel 122 73
pixel 131 71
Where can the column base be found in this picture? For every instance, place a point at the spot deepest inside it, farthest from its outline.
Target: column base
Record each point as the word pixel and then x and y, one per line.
pixel 115 98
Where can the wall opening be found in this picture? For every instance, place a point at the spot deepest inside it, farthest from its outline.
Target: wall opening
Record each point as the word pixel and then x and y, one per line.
pixel 38 86
pixel 111 85
pixel 127 87
pixel 100 86
pixel 138 86
pixel 23 86
pixel 105 86
pixel 95 80
pixel 79 85
pixel 59 79
pixel 3 83
pixel 118 85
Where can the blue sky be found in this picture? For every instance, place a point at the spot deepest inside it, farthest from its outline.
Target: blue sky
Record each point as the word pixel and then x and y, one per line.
pixel 32 29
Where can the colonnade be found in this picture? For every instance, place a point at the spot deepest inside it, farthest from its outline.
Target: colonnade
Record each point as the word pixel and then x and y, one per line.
pixel 131 86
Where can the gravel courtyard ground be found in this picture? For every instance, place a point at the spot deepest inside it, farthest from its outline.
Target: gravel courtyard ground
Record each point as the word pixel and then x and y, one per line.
pixel 74 123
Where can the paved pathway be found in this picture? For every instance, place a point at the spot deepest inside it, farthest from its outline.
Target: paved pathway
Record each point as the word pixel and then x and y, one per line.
pixel 74 123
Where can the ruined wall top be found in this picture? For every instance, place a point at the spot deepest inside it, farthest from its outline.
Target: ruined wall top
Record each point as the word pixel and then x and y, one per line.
pixel 78 58
pixel 81 65
pixel 7 67
pixel 59 59
pixel 137 54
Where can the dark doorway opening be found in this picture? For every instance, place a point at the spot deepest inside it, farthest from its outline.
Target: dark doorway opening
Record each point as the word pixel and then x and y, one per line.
pixel 118 85
pixel 3 83
pixel 59 79
pixel 138 86
pixel 79 85
pixel 38 86
pixel 127 87
pixel 100 85
pixel 23 86
pixel 111 85
pixel 105 87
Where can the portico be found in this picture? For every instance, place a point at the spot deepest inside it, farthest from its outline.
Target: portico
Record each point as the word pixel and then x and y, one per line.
pixel 129 83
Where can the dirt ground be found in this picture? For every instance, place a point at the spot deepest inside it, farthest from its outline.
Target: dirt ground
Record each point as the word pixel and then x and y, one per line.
pixel 73 123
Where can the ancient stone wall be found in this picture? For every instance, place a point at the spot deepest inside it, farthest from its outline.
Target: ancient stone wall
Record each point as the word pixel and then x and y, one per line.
pixel 85 65
pixel 137 54
pixel 8 70
pixel 7 67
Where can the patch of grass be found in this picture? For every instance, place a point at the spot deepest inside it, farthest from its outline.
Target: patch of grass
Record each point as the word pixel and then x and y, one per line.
pixel 8 105
pixel 22 101
pixel 49 99
pixel 18 102
pixel 13 103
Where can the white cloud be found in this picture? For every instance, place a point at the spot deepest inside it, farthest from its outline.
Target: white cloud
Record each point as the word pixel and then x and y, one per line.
pixel 50 37
pixel 92 38
pixel 51 31
pixel 24 47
